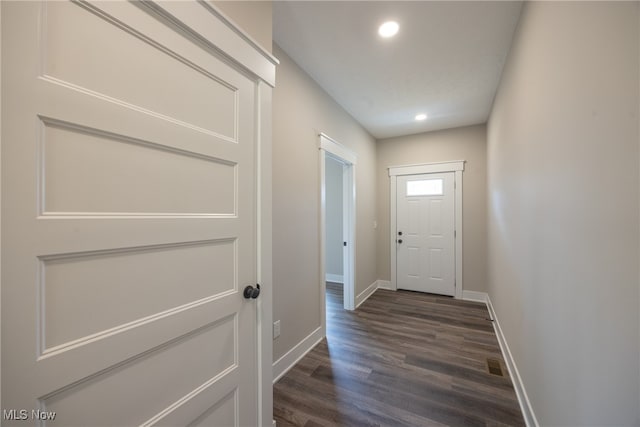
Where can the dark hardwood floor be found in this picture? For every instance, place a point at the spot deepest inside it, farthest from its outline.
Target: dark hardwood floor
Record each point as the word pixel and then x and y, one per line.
pixel 401 359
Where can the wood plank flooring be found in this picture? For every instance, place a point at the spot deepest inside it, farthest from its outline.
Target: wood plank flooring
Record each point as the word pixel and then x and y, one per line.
pixel 402 359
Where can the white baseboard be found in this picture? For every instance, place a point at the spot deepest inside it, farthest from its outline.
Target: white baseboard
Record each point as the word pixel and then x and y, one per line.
pixel 474 296
pixel 335 278
pixel 293 356
pixel 362 296
pixel 385 284
pixel 523 399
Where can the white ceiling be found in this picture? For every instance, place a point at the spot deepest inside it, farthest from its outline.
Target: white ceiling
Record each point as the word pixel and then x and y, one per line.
pixel 445 61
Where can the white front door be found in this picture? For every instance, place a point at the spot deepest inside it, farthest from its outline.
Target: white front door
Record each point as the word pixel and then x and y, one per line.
pixel 425 221
pixel 128 222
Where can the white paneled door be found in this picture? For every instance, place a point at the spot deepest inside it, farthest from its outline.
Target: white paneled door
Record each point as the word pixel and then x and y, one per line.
pixel 128 222
pixel 425 245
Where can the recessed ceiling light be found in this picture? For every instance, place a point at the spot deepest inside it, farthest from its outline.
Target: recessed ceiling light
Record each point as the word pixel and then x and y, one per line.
pixel 388 29
pixel 421 117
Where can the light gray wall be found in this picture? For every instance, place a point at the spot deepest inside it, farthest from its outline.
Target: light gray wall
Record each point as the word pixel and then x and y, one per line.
pixel 466 143
pixel 563 212
pixel 301 110
pixel 334 246
pixel 254 17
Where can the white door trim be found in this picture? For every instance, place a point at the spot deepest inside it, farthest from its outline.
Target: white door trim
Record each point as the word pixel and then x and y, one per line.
pixel 329 147
pixel 231 41
pixel 265 254
pixel 457 167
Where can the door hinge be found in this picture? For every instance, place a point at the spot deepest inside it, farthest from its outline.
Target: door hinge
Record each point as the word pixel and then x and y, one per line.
pixel 344 243
pixel 455 234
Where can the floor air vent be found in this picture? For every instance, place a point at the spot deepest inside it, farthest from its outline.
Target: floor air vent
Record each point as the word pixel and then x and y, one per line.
pixel 494 367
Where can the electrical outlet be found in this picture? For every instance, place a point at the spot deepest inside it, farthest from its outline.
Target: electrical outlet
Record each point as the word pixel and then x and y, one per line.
pixel 276 329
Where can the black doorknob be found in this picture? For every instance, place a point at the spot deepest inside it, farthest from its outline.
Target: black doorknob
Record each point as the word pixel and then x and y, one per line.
pixel 250 292
pixel 399 240
pixel 399 233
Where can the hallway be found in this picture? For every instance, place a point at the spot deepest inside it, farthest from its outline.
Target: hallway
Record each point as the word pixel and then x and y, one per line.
pixel 402 358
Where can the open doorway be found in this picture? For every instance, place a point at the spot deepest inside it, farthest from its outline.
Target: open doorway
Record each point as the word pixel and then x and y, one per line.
pixel 337 240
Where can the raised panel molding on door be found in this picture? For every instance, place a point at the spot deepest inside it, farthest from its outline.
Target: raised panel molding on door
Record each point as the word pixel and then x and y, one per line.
pixel 425 233
pixel 426 227
pixel 136 208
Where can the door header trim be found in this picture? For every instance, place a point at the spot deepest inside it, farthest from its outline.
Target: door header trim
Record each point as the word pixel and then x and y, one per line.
pixel 450 166
pixel 217 33
pixel 337 150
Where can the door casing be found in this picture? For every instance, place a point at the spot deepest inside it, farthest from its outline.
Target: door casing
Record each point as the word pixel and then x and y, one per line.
pixel 457 167
pixel 329 147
